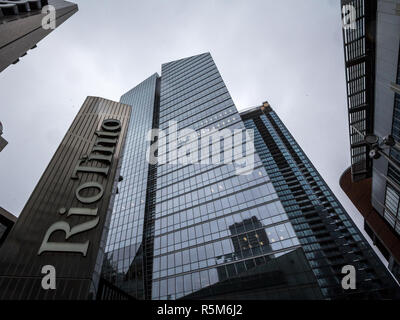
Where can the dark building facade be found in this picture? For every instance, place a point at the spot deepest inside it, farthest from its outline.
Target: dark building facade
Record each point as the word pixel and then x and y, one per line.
pixel 63 223
pixel 188 231
pixel 7 221
pixel 373 88
pixel 21 26
pixel 326 233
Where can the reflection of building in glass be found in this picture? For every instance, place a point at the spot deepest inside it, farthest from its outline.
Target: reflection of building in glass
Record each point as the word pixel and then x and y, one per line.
pixel 372 69
pixel 280 276
pixel 128 281
pixel 326 233
pixel 248 239
pixel 250 235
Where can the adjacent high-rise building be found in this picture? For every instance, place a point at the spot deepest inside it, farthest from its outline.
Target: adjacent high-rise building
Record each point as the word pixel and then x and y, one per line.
pixel 196 230
pixel 371 37
pixel 326 233
pixel 24 23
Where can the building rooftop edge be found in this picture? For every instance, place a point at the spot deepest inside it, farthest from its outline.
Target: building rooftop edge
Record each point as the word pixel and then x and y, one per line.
pixel 264 107
pixel 7 215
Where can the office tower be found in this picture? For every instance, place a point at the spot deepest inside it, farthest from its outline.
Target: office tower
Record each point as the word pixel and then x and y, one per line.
pixel 371 48
pixel 7 220
pixel 328 236
pixel 3 142
pixel 176 228
pixel 59 233
pixel 21 26
pixel 203 231
pixel 124 244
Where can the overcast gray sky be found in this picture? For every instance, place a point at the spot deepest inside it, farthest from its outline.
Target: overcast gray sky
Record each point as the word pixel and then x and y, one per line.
pixel 288 52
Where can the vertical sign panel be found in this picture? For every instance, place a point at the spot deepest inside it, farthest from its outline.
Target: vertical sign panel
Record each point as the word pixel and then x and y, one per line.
pixel 55 249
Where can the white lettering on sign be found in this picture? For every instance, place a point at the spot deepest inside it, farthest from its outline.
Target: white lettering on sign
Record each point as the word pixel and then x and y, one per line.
pixel 102 151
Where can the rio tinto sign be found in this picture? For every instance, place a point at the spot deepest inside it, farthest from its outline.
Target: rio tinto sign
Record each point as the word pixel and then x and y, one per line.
pixel 102 151
pixel 63 227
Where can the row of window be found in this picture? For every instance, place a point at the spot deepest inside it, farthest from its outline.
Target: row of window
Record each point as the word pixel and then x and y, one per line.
pixel 200 226
pixel 175 287
pixel 174 80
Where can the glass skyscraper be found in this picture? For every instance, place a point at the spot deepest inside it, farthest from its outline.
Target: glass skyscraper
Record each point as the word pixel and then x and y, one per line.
pixel 201 230
pixel 124 250
pixel 328 236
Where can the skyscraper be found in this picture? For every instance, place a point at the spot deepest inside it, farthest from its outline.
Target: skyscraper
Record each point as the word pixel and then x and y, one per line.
pixel 124 250
pixel 175 225
pixel 327 234
pixel 21 26
pixel 372 67
pixel 203 230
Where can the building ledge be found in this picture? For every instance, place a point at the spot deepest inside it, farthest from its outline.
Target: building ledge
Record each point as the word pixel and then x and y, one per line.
pixel 360 195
